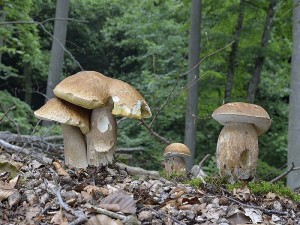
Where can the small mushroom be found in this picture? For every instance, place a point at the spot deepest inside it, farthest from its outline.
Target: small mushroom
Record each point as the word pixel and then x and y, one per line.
pixel 75 123
pixel 107 98
pixel 175 155
pixel 237 147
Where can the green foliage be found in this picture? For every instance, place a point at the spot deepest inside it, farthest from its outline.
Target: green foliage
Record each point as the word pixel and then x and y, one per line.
pixel 266 172
pixel 264 187
pixel 19 119
pixel 195 183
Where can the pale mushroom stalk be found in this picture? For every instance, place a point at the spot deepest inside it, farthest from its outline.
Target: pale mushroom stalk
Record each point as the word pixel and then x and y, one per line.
pixel 102 138
pixel 74 147
pixel 237 151
pixel 237 147
pixel 75 123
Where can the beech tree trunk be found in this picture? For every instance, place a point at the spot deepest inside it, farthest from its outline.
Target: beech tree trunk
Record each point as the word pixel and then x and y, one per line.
pixel 193 82
pixel 293 178
pixel 58 43
pixel 234 48
pixel 260 59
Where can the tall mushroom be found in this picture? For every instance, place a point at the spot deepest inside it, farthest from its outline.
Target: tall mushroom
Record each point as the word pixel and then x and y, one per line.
pixel 175 155
pixel 106 97
pixel 237 147
pixel 75 123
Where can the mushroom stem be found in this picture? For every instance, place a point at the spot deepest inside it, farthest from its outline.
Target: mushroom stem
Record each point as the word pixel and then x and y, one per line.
pixel 74 147
pixel 175 164
pixel 237 151
pixel 102 138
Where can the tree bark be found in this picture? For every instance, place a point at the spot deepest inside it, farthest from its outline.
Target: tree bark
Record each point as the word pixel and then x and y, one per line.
pixel 58 43
pixel 28 83
pixel 260 58
pixel 293 178
pixel 233 52
pixel 193 82
pixel 2 19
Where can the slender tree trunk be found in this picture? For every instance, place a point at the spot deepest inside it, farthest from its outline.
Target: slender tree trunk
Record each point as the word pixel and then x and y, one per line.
pixel 260 59
pixel 58 43
pixel 193 81
pixel 234 48
pixel 293 179
pixel 28 83
pixel 2 19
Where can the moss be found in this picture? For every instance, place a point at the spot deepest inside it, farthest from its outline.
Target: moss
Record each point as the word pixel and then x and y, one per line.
pixel 195 183
pixel 264 187
pixel 177 177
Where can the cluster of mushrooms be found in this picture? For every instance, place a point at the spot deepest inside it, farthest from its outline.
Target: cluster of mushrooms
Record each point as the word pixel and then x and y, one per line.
pixel 237 146
pixel 85 105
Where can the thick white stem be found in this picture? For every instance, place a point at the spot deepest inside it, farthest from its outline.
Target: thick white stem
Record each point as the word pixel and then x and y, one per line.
pixel 102 138
pixel 237 151
pixel 74 147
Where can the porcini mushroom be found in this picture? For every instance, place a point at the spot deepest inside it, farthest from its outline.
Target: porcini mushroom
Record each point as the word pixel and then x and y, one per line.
pixel 237 147
pixel 106 97
pixel 75 123
pixel 175 155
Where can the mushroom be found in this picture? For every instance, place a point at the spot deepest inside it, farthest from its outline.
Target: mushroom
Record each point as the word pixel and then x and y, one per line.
pixel 107 98
pixel 175 155
pixel 237 147
pixel 75 123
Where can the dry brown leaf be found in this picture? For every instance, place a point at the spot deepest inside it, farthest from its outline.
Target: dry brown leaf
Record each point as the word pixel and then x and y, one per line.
pixel 238 218
pixel 242 193
pixel 123 200
pixel 7 189
pixel 59 169
pixel 102 220
pixel 31 213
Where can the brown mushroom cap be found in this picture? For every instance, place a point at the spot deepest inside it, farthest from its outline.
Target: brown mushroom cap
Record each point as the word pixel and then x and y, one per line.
pixel 240 112
pixel 90 89
pixel 64 112
pixel 176 149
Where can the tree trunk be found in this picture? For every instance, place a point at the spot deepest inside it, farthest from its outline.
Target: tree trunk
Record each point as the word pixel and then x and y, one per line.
pixel 234 48
pixel 293 179
pixel 28 83
pixel 2 19
pixel 193 82
pixel 58 43
pixel 259 60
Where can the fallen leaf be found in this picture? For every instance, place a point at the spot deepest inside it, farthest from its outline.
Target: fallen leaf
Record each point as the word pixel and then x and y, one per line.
pixel 238 218
pixel 102 220
pixel 59 169
pixel 254 214
pixel 10 167
pixel 124 202
pixel 7 189
pixel 242 193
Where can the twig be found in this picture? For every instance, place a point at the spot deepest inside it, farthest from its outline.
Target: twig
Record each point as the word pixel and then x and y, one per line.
pixel 156 135
pixel 125 219
pixel 6 112
pixel 165 103
pixel 203 160
pixel 129 150
pixel 164 214
pixel 293 168
pixel 137 170
pixel 80 216
pixel 11 120
pixel 267 211
pixel 41 24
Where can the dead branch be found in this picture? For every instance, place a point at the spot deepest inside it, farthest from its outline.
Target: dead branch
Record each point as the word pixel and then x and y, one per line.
pixel 137 170
pixel 203 160
pixel 267 211
pixel 79 215
pixel 156 135
pixel 126 220
pixel 293 168
pixel 6 112
pixel 13 149
pixel 129 150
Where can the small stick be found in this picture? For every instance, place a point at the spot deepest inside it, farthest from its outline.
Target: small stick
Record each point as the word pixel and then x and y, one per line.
pixel 293 168
pixel 81 217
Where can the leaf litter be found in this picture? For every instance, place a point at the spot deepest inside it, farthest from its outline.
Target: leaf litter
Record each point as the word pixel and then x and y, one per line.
pixel 53 194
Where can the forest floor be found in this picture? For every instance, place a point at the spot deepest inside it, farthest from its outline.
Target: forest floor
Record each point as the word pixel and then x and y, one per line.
pixel 32 192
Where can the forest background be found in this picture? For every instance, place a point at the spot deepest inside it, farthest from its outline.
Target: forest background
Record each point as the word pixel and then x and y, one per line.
pixel 145 43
